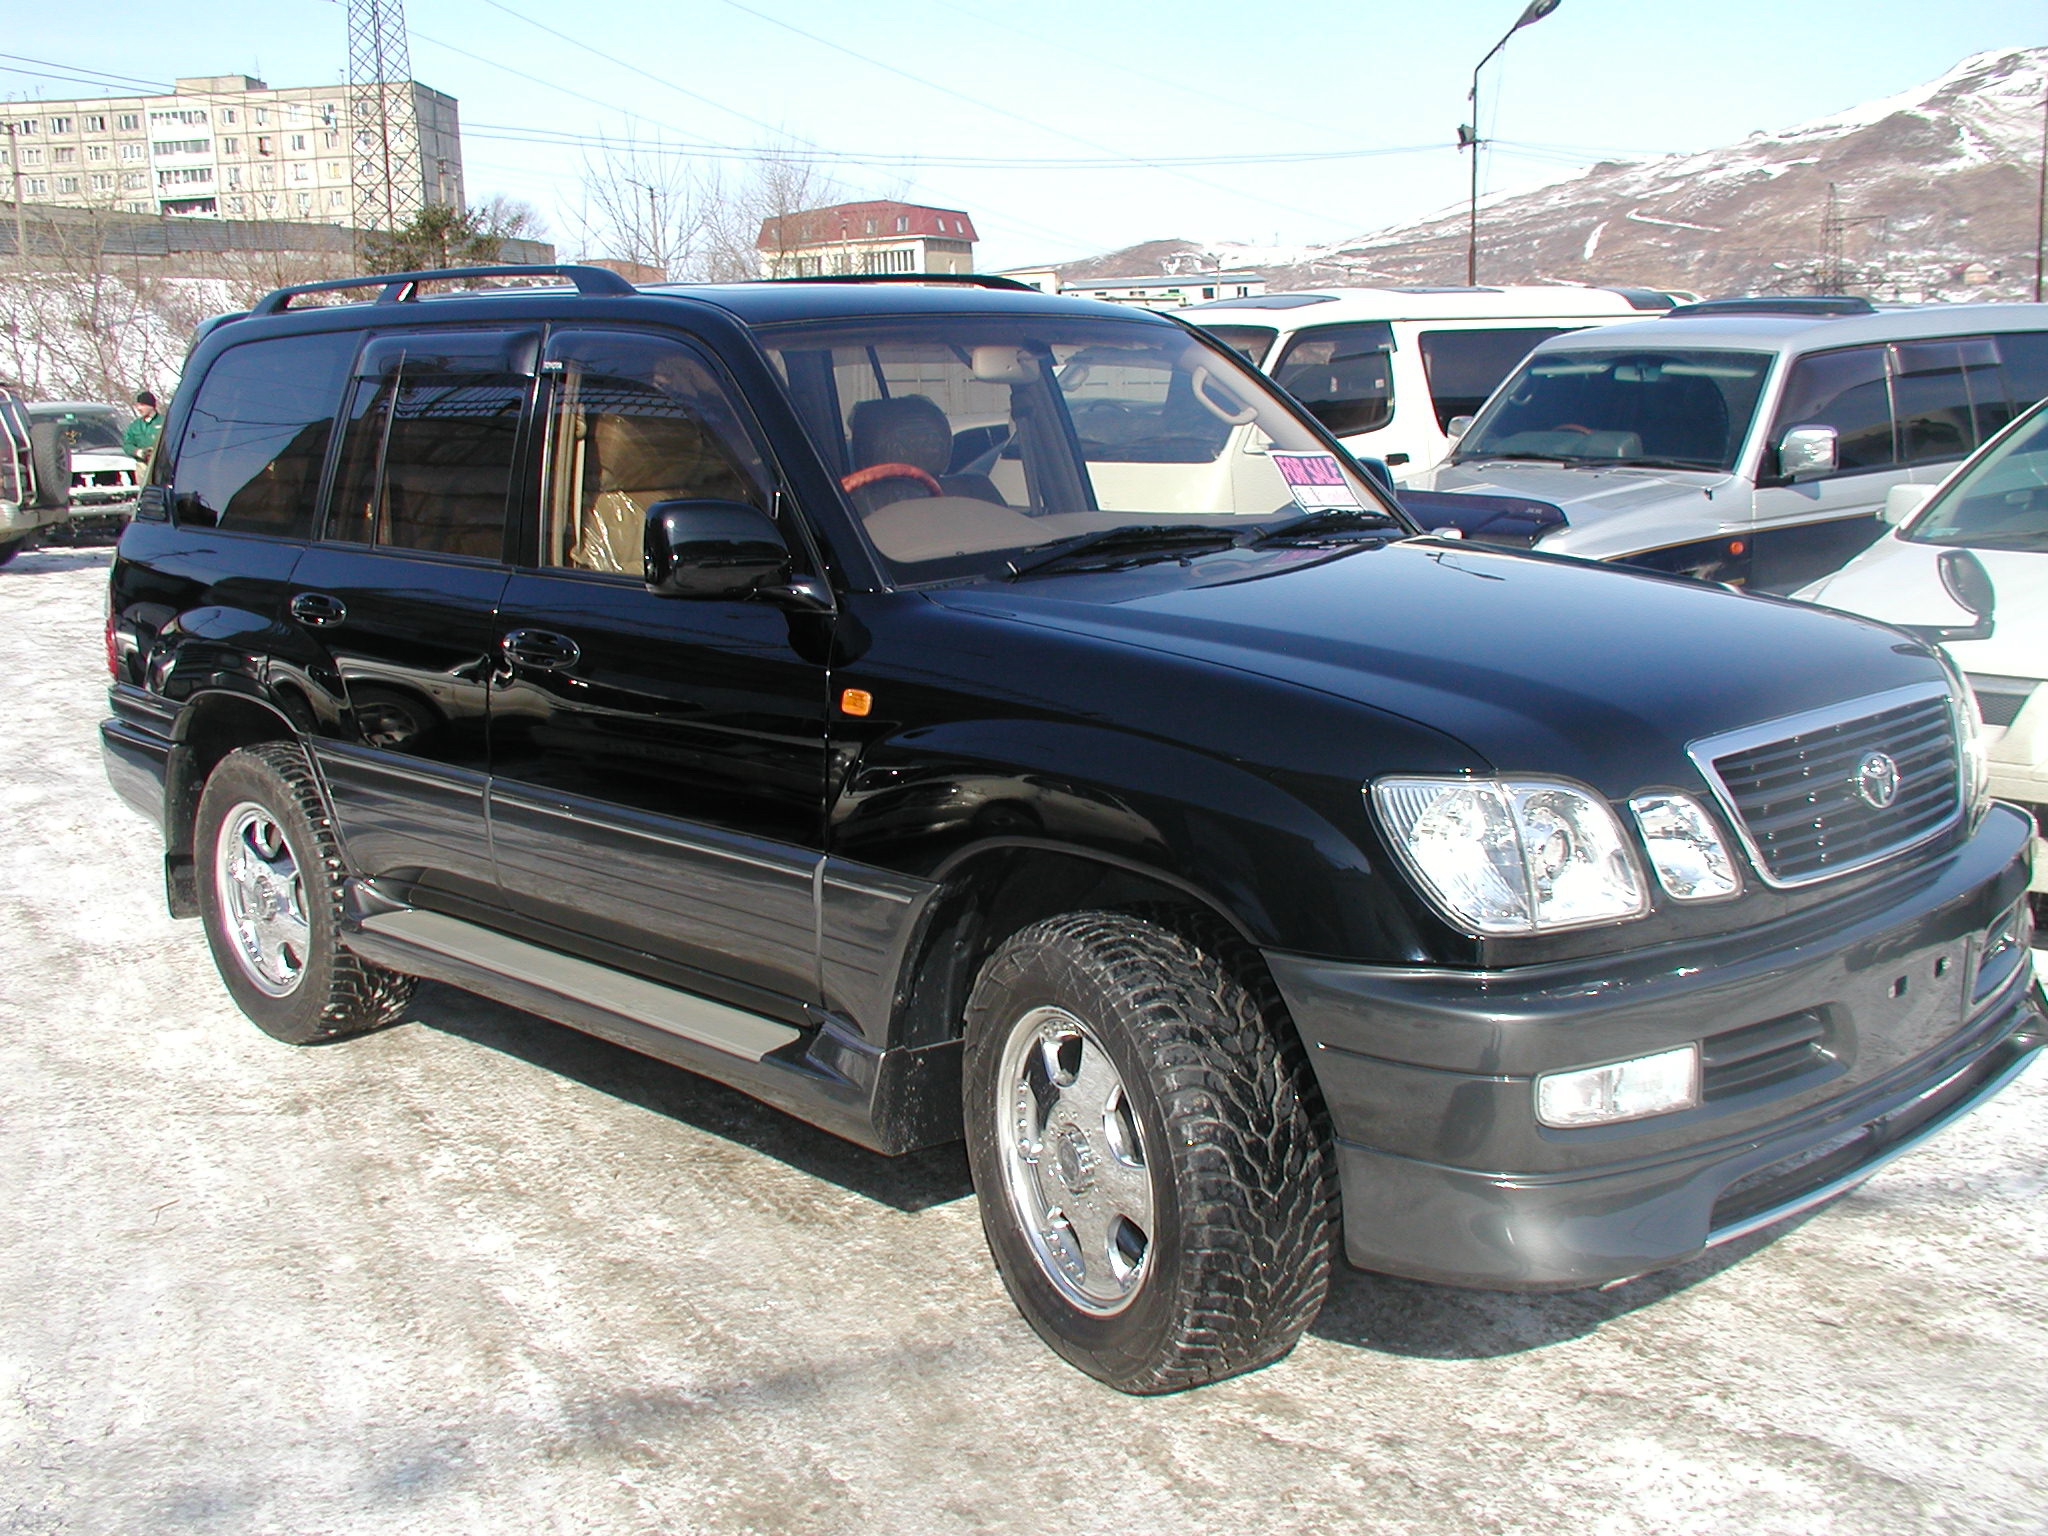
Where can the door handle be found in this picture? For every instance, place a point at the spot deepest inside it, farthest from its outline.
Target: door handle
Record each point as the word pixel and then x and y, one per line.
pixel 318 610
pixel 541 650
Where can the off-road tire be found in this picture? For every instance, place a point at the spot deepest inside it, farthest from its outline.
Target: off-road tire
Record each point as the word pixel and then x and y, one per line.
pixel 335 993
pixel 1243 1189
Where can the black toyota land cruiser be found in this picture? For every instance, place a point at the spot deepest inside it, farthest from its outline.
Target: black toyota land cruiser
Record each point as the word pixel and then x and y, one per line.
pixel 943 710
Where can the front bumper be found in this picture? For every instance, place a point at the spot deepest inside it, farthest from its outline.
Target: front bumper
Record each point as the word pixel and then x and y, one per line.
pixel 1833 1043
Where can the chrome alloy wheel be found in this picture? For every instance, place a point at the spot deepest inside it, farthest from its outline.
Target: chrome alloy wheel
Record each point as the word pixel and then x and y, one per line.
pixel 262 899
pixel 1073 1157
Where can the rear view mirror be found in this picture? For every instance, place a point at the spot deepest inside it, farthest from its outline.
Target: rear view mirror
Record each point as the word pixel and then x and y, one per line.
pixel 1806 451
pixel 1902 501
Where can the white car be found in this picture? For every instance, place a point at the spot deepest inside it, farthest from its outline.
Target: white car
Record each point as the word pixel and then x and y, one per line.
pixel 1995 509
pixel 105 477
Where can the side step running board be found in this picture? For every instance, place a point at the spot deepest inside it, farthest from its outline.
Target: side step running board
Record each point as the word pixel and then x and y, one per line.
pixel 681 1014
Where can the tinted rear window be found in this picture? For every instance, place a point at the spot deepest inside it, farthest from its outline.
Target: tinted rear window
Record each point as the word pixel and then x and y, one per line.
pixel 257 432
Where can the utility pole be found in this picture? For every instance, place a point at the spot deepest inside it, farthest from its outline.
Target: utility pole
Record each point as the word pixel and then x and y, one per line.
pixel 1468 133
pixel 2041 193
pixel 1833 276
pixel 21 220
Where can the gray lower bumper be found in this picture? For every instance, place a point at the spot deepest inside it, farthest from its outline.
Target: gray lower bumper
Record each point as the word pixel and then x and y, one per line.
pixel 1867 1029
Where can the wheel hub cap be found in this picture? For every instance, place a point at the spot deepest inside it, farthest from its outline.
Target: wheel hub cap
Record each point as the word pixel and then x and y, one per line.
pixel 262 899
pixel 1074 1161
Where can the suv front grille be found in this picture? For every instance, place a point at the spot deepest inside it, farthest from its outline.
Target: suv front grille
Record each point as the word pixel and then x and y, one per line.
pixel 1796 787
pixel 2000 699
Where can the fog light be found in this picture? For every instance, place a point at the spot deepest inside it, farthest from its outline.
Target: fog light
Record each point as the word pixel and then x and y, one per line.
pixel 1621 1090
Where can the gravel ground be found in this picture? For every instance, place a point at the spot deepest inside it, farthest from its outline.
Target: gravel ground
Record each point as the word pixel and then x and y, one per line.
pixel 478 1273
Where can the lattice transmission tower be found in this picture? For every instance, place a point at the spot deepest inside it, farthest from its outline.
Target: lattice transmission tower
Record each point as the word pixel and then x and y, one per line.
pixel 385 171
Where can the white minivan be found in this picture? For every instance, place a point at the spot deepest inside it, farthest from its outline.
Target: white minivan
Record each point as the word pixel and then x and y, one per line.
pixel 1970 567
pixel 1387 369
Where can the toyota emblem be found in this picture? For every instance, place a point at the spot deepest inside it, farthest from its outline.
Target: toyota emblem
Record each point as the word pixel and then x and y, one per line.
pixel 1877 780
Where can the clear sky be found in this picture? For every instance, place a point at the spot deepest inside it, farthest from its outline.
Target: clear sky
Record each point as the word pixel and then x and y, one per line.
pixel 1029 89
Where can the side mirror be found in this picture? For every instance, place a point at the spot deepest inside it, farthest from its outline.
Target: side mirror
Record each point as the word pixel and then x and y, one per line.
pixel 1902 501
pixel 1806 451
pixel 713 549
pixel 1964 578
pixel 1457 427
pixel 1376 470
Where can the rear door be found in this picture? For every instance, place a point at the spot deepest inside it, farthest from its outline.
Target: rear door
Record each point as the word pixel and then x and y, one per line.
pixel 399 599
pixel 658 764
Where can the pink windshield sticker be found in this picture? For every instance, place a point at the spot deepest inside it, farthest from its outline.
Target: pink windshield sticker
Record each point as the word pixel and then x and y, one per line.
pixel 1316 480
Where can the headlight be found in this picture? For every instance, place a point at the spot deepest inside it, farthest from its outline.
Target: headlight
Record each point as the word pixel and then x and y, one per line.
pixel 1514 855
pixel 1685 848
pixel 1976 764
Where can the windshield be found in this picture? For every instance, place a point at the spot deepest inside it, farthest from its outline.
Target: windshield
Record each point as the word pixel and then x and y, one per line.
pixel 85 431
pixel 1670 409
pixel 967 442
pixel 2000 502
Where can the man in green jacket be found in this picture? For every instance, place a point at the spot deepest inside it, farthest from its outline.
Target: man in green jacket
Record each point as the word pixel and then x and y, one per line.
pixel 139 440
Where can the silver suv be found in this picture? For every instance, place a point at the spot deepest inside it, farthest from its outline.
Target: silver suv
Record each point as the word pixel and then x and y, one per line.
pixel 1747 440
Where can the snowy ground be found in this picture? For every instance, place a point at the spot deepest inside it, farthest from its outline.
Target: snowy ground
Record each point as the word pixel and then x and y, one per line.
pixel 481 1274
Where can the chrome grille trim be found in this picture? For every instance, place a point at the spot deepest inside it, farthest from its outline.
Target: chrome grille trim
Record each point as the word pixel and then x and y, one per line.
pixel 1930 797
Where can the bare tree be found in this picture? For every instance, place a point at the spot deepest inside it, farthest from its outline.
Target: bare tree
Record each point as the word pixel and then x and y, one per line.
pixel 648 204
pixel 81 319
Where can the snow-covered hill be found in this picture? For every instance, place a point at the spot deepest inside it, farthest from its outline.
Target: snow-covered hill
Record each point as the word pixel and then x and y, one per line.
pixel 1933 197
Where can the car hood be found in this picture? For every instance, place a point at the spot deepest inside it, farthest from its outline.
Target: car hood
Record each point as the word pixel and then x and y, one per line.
pixel 1898 581
pixel 1536 663
pixel 1602 507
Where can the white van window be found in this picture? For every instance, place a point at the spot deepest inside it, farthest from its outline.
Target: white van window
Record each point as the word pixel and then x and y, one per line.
pixel 1247 341
pixel 1464 367
pixel 1343 374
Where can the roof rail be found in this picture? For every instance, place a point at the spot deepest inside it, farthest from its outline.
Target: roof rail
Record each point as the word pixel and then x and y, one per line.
pixel 402 287
pixel 1820 306
pixel 963 279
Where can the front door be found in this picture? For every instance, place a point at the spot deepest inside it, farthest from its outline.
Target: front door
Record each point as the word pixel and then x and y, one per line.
pixel 658 764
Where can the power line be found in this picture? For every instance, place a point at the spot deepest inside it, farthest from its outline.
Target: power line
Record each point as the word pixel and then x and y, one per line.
pixel 522 133
pixel 946 90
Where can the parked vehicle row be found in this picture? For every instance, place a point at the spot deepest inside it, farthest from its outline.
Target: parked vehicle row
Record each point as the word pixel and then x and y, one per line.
pixel 871 694
pixel 64 472
pixel 1969 565
pixel 1747 441
pixel 1386 370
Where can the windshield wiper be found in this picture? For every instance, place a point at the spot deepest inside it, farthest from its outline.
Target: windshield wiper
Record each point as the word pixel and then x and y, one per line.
pixel 1692 464
pixel 1524 458
pixel 1323 520
pixel 1127 542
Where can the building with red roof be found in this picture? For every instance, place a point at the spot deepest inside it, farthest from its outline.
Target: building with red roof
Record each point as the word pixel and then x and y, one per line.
pixel 878 236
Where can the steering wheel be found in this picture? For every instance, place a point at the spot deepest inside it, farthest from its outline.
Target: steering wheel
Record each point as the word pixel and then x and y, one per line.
pixel 879 472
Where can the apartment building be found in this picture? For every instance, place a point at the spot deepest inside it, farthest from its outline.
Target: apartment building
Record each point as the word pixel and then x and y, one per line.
pixel 875 236
pixel 222 146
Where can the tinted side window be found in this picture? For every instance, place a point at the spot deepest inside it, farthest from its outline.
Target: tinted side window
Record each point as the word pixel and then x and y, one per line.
pixel 427 460
pixel 1464 367
pixel 2026 366
pixel 1949 394
pixel 636 420
pixel 257 433
pixel 1343 374
pixel 1848 391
